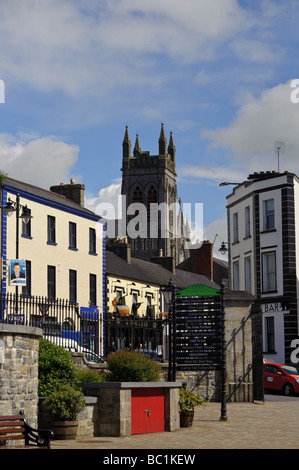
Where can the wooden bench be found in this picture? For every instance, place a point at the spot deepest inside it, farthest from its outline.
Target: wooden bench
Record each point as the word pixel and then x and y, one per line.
pixel 15 427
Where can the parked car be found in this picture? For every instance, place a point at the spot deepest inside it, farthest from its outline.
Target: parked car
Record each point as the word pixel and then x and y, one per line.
pixel 282 378
pixel 73 346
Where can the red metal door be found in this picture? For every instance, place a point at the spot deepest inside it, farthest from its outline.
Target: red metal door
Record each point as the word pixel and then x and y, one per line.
pixel 147 410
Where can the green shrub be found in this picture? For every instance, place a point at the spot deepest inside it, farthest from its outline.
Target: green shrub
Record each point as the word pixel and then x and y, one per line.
pixel 65 404
pixel 55 368
pixel 189 400
pixel 128 366
pixel 85 375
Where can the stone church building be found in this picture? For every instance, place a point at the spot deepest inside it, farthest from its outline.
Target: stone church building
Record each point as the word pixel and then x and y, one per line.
pixel 150 180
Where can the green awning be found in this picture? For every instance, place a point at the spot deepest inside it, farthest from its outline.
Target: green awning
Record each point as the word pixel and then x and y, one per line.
pixel 198 290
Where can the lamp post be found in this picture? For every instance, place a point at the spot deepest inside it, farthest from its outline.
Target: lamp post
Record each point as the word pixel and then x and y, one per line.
pixel 10 208
pixel 223 416
pixel 169 293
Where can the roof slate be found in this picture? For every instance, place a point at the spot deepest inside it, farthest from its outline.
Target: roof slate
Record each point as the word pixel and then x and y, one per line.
pixel 145 271
pixel 46 194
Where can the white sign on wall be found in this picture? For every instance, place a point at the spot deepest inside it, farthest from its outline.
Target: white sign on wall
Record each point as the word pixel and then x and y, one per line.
pixel 274 307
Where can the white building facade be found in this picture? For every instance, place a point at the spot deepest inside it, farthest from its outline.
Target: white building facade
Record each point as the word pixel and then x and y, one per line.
pixel 263 214
pixel 63 251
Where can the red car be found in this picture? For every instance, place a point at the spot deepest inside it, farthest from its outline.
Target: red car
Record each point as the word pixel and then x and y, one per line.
pixel 282 378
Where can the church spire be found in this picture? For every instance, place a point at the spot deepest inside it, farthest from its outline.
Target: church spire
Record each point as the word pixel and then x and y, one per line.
pixel 162 141
pixel 137 148
pixel 126 145
pixel 171 148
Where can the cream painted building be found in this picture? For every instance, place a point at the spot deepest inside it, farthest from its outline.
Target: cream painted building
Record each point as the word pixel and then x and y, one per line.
pixel 135 303
pixel 63 248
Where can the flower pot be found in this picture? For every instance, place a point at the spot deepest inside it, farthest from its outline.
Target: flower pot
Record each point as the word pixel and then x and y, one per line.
pixel 64 429
pixel 186 418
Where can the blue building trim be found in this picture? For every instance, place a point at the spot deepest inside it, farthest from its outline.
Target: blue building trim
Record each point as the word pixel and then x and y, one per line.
pixel 104 286
pixel 4 241
pixel 53 204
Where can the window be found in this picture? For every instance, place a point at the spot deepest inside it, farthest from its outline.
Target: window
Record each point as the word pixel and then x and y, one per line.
pixel 52 282
pixel 134 304
pixel 73 285
pixel 269 272
pixel 26 227
pixel 120 297
pixel 269 222
pixel 270 342
pixel 235 228
pixel 247 222
pixel 72 235
pixel 92 241
pixel 93 289
pixel 152 198
pixel 51 229
pixel 247 265
pixel 236 277
pixel 26 290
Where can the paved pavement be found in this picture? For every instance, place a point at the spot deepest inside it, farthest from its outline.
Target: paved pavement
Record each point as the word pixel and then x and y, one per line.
pixel 260 425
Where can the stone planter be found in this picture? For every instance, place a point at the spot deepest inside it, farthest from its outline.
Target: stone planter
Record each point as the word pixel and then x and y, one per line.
pixel 64 429
pixel 186 418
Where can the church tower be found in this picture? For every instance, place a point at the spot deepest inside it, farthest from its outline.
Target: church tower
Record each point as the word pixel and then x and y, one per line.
pixel 150 180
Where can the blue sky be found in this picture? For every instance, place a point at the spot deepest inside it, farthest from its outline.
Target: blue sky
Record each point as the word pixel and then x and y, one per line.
pixel 217 73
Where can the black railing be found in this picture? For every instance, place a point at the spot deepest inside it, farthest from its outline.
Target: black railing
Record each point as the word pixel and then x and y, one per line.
pixel 63 322
pixel 143 334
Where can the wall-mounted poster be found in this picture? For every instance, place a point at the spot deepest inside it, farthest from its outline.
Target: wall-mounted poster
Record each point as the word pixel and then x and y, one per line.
pixel 17 272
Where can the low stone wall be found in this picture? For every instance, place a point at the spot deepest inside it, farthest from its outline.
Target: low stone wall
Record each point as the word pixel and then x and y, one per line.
pixel 88 418
pixel 19 347
pixel 114 405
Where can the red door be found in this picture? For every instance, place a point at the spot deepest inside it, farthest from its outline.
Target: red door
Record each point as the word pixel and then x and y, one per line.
pixel 147 410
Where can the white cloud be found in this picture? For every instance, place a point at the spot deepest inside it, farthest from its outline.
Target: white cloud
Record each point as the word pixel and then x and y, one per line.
pixel 107 199
pixel 42 161
pixel 260 123
pixel 216 232
pixel 212 173
pixel 82 47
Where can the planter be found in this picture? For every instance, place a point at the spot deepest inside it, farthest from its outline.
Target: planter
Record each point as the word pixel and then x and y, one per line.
pixel 186 418
pixel 64 429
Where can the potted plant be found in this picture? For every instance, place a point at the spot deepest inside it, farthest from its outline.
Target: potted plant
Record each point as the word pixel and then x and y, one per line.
pixel 188 401
pixel 63 406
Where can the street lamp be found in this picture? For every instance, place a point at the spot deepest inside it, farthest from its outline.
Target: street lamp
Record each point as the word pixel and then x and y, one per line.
pixel 169 293
pixel 223 250
pixel 11 207
pixel 226 183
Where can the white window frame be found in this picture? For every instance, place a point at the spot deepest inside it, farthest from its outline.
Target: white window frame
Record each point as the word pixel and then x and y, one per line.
pixel 268 214
pixel 248 272
pixel 247 222
pixel 236 275
pixel 268 285
pixel 235 228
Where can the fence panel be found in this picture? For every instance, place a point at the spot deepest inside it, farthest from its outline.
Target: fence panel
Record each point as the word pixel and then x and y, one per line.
pixel 63 323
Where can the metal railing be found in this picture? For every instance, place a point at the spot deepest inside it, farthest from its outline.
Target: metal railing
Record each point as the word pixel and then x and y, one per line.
pixel 63 322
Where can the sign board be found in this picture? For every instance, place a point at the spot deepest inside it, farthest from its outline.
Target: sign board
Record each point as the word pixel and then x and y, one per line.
pixel 274 307
pixel 17 272
pixel 198 332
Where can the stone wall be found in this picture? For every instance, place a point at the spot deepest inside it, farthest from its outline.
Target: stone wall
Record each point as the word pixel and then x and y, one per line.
pixel 88 418
pixel 19 370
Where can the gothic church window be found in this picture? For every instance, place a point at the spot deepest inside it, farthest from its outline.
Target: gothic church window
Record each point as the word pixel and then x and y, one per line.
pixel 151 199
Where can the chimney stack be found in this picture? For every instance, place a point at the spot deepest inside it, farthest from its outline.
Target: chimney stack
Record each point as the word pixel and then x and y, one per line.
pixel 72 191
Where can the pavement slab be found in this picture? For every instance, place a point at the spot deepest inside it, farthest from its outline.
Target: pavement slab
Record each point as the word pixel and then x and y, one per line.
pixel 259 425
